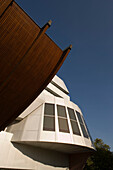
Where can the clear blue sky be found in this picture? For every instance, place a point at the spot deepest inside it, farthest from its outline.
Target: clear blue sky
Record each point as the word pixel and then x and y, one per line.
pixel 88 69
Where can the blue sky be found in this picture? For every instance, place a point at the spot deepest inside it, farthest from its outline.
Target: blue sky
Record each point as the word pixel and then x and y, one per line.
pixel 88 69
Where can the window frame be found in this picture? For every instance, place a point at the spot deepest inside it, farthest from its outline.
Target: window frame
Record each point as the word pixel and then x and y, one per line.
pixel 49 116
pixel 77 130
pixel 62 118
pixel 82 124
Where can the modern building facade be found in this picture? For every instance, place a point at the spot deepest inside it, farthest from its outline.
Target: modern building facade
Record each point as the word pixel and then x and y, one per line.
pixel 50 134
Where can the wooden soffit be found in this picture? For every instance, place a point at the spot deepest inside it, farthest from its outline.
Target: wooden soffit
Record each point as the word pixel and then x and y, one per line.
pixel 29 59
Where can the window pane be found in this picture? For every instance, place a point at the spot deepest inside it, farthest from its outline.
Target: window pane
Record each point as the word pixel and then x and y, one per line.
pixel 61 111
pixel 71 114
pixel 84 131
pixel 49 109
pixel 88 131
pixel 63 125
pixel 79 117
pixel 49 123
pixel 75 128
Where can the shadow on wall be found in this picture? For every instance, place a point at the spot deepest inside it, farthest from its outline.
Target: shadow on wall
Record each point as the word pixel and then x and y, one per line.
pixel 44 156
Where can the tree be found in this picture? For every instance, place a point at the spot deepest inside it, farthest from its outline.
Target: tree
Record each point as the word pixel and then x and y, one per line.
pixel 102 159
pixel 99 144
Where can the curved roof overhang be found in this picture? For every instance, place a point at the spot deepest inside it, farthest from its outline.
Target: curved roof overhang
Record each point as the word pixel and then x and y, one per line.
pixel 29 59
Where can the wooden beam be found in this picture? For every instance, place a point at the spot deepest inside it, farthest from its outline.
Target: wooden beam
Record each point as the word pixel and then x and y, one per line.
pixel 63 57
pixel 42 31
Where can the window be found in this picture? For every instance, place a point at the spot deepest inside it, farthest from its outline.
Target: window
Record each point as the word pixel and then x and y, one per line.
pixel 88 131
pixel 49 117
pixel 74 123
pixel 62 119
pixel 85 134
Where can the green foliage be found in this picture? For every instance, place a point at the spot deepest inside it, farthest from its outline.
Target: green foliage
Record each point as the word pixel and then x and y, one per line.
pixel 99 144
pixel 102 159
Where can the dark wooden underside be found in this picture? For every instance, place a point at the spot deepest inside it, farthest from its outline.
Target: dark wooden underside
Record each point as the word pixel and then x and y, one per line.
pixel 29 59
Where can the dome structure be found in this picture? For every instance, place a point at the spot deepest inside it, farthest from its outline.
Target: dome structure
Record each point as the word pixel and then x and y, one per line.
pixel 50 134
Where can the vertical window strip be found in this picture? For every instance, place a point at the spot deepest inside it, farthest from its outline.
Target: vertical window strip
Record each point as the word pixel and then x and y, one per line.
pixel 88 131
pixel 82 125
pixel 74 123
pixel 49 117
pixel 62 119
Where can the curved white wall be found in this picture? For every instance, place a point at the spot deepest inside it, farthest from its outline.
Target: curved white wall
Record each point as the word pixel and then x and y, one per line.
pixel 30 129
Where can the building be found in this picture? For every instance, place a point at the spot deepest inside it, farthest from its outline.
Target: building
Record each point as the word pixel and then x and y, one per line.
pixel 50 134
pixel 45 132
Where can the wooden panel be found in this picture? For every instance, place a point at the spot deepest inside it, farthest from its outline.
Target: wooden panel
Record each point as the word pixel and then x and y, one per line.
pixel 17 32
pixel 29 61
pixel 4 5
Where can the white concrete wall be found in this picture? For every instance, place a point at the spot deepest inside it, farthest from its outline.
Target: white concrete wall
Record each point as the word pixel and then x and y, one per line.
pixel 28 129
pixel 60 83
pixel 19 156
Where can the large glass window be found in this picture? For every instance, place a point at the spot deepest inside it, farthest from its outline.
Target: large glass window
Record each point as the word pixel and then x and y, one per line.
pixel 62 119
pixel 74 123
pixel 80 118
pixel 49 117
